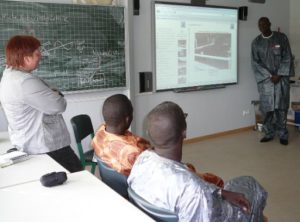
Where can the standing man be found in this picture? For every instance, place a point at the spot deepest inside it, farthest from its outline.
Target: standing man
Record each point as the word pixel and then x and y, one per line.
pixel 273 65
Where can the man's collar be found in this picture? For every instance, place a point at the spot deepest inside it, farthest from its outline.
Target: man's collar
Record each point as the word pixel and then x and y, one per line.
pixel 267 37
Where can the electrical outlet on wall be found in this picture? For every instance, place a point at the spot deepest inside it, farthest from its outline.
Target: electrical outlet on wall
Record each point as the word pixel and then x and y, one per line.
pixel 246 112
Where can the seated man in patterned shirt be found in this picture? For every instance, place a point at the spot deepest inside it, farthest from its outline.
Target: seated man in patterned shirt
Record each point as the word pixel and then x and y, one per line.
pixel 113 143
pixel 118 147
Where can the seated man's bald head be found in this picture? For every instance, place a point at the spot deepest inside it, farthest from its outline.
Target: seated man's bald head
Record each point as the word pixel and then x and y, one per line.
pixel 116 108
pixel 166 124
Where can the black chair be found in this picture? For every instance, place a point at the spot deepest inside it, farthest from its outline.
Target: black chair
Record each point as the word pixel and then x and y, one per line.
pixel 112 178
pixel 157 213
pixel 82 127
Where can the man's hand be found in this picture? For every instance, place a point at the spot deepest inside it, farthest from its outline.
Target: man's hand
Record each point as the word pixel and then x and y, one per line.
pixel 275 79
pixel 237 199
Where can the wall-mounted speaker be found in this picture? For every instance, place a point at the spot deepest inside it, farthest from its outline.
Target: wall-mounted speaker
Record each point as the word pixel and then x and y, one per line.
pixel 198 2
pixel 146 82
pixel 258 1
pixel 243 13
pixel 136 7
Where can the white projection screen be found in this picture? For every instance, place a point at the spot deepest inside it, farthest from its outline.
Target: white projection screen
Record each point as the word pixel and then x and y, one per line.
pixel 194 45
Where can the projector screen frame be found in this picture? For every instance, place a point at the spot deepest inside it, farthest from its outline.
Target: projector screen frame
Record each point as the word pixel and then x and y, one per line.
pixel 192 87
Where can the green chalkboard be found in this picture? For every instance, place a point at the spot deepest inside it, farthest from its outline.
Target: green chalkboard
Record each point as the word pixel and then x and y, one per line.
pixel 83 46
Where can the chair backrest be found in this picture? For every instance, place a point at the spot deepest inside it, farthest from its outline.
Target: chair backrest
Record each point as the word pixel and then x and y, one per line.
pixel 113 179
pixel 82 126
pixel 157 213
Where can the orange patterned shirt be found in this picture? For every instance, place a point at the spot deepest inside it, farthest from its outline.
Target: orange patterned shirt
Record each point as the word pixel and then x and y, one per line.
pixel 208 177
pixel 118 151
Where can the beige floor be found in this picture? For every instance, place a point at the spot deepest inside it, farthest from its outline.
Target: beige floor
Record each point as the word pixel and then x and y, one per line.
pixel 275 166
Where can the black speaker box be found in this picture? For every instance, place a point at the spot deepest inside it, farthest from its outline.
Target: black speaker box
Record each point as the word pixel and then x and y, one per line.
pixel 146 82
pixel 136 7
pixel 198 2
pixel 243 13
pixel 258 1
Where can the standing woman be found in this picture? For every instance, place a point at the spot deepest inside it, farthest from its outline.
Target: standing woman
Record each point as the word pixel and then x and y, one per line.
pixel 33 109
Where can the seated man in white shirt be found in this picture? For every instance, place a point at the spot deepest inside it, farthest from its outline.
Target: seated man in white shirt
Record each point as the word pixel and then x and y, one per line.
pixel 159 177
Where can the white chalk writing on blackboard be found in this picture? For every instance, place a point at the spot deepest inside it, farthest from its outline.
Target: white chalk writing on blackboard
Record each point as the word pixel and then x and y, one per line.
pixel 83 47
pixel 43 18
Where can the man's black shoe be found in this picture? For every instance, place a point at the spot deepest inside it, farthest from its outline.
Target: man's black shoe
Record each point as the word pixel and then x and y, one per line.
pixel 266 139
pixel 284 142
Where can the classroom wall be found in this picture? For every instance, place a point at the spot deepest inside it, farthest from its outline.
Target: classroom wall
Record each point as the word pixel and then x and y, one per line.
pixel 210 111
pixel 295 45
pixel 295 33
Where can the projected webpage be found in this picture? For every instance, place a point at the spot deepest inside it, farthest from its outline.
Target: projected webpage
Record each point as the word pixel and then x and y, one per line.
pixel 195 46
